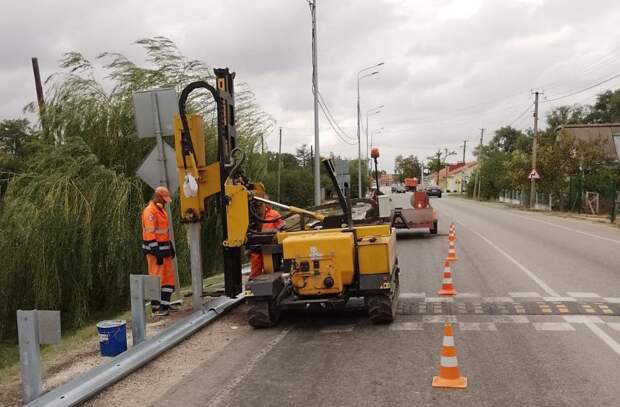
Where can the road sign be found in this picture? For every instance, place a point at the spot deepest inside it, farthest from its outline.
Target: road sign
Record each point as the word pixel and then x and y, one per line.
pixel 533 175
pixel 154 110
pixel 150 169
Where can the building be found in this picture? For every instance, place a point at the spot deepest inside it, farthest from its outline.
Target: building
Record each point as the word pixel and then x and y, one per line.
pixel 385 179
pixel 609 133
pixel 452 177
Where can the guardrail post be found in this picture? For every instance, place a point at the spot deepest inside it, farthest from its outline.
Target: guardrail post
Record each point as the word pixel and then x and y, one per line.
pixel 142 288
pixel 33 329
pixel 196 264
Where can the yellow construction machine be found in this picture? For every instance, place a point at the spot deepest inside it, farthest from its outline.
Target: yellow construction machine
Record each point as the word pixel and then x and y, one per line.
pixel 320 262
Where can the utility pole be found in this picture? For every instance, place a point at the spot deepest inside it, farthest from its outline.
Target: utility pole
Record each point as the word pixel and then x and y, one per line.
pixel 534 151
pixel 315 91
pixel 39 88
pixel 477 182
pixel 279 162
pixel 463 171
pixel 438 166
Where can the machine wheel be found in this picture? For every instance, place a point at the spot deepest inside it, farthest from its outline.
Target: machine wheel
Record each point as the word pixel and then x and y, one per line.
pixel 382 308
pixel 263 314
pixel 434 228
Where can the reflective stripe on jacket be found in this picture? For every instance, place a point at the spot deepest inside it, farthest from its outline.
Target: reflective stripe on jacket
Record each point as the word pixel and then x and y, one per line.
pixel 155 236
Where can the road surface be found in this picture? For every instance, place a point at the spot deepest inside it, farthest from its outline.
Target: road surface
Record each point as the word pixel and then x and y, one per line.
pixel 536 324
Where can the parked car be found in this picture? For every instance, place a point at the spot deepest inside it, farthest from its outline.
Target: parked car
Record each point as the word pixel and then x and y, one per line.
pixel 433 191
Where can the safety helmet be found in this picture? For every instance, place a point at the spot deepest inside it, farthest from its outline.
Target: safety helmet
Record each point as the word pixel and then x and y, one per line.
pixel 163 194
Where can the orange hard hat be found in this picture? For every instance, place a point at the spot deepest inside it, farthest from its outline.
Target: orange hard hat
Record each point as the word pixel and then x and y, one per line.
pixel 374 153
pixel 163 194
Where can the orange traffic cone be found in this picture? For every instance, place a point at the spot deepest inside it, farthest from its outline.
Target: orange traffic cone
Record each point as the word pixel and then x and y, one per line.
pixel 452 236
pixel 447 288
pixel 449 375
pixel 451 252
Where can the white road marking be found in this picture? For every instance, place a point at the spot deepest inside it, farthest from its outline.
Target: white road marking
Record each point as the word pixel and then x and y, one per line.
pixel 510 319
pixel 607 239
pixel 437 319
pixel 533 219
pixel 614 300
pixel 224 394
pixel 596 330
pixel 337 329
pixel 406 326
pixel 439 299
pixel 411 295
pixel 552 326
pixel 559 299
pixel 614 325
pixel 582 319
pixel 550 291
pixel 582 295
pixel 497 299
pixel 527 294
pixel 467 295
pixel 477 326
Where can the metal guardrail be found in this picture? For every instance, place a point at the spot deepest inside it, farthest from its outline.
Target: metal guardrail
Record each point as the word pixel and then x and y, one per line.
pixel 97 379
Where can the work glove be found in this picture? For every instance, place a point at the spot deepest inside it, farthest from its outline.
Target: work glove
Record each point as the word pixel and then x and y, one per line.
pixel 160 258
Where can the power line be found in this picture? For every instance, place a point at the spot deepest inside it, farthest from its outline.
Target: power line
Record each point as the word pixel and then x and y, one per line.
pixel 333 119
pixel 527 109
pixel 334 127
pixel 582 90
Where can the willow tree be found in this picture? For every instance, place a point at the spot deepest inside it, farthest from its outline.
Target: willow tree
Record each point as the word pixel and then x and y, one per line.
pixel 70 218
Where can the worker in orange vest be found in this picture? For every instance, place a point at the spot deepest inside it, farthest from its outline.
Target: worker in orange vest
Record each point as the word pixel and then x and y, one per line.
pixel 256 258
pixel 158 248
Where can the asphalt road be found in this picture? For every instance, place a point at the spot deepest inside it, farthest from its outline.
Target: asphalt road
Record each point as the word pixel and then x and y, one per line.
pixel 536 324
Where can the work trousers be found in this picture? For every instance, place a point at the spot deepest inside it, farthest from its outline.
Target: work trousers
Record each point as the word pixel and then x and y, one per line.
pixel 165 272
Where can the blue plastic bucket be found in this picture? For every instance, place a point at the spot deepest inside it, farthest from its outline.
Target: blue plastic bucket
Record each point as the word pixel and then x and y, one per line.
pixel 112 337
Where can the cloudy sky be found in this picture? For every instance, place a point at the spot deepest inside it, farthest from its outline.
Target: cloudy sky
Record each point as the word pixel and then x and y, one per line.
pixel 451 66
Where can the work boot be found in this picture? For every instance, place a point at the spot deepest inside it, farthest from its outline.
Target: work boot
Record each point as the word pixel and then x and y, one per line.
pixel 161 313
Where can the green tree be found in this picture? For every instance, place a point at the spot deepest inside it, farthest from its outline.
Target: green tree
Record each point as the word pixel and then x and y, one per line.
pixel 407 167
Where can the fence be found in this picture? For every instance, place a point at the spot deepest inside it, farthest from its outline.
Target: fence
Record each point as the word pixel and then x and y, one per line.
pixel 543 201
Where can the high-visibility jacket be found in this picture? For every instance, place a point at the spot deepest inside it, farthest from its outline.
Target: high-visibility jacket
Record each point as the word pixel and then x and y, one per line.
pixel 272 214
pixel 155 233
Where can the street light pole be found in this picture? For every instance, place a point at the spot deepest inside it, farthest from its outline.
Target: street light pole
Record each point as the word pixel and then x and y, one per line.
pixel 370 112
pixel 315 91
pixel 359 143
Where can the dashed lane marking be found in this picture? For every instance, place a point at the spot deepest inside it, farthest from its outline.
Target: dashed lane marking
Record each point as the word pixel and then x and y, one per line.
pixel 406 326
pixel 439 299
pixel 439 319
pixel 582 319
pixel 559 299
pixel 510 319
pixel 613 300
pixel 477 326
pixel 497 299
pixel 552 326
pixel 527 294
pixel 582 295
pixel 417 307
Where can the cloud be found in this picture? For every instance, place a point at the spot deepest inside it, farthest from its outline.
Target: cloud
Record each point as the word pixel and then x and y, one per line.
pixel 451 66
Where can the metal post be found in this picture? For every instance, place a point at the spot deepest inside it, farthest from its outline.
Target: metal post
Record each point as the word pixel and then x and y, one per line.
pixel 534 150
pixel 359 144
pixel 612 215
pixel 29 354
pixel 39 89
pixel 196 264
pixel 164 180
pixel 138 315
pixel 279 162
pixel 315 91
